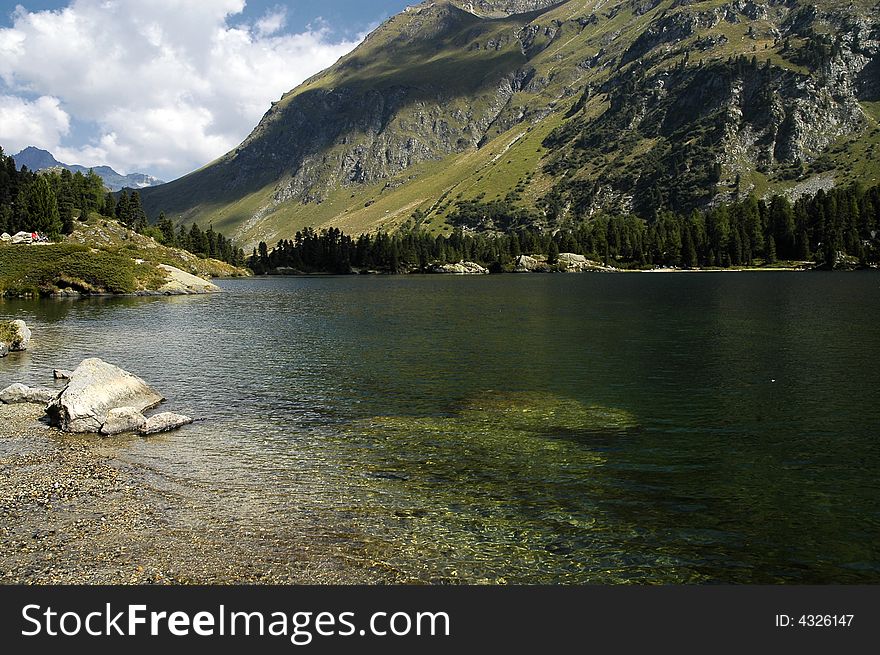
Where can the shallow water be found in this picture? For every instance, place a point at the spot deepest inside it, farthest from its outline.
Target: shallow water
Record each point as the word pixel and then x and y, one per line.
pixel 524 429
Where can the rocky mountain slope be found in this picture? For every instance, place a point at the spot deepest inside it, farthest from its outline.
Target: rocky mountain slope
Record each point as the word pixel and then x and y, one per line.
pixel 572 107
pixel 38 160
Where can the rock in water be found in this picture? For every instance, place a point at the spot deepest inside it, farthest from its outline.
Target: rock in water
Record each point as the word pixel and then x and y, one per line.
pixel 4 349
pixel 19 393
pixel 21 336
pixel 165 422
pixel 122 420
pixel 95 388
pixel 180 282
pixel 60 374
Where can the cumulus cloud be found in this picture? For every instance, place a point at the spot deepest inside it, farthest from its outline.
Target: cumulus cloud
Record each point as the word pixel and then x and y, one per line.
pixel 23 122
pixel 273 22
pixel 171 84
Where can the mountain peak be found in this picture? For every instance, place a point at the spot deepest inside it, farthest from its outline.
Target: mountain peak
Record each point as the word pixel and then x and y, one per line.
pixel 36 159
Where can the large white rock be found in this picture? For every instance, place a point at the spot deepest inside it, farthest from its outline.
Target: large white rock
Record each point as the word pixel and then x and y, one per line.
pixel 182 283
pixel 574 263
pixel 23 237
pixel 19 393
pixel 165 422
pixel 123 420
pixel 6 237
pixel 570 258
pixel 527 264
pixel 461 268
pixel 95 388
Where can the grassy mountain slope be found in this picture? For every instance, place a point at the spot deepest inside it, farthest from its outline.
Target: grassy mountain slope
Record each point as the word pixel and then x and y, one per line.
pixel 579 106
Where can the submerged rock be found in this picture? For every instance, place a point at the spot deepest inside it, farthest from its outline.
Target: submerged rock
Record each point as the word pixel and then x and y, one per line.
pixel 123 420
pixel 496 417
pixel 165 422
pixel 539 411
pixel 20 393
pixel 95 388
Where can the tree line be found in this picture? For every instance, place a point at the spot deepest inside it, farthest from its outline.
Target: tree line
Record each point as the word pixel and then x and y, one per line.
pixel 823 228
pixel 45 202
pixel 50 202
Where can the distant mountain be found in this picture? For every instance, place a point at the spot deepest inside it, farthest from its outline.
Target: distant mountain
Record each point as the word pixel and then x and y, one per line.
pixel 566 109
pixel 39 160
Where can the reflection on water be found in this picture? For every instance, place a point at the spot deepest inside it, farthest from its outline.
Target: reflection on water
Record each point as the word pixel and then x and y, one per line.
pixel 596 428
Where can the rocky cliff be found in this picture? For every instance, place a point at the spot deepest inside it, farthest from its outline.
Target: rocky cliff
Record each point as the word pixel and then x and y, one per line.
pixel 573 107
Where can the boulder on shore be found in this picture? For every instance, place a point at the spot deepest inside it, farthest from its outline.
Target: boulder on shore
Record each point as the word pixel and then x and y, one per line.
pixel 123 420
pixel 20 393
pixel 165 422
pixel 95 388
pixel 461 268
pixel 527 264
pixel 574 263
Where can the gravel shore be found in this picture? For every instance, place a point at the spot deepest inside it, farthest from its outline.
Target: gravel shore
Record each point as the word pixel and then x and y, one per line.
pixel 72 511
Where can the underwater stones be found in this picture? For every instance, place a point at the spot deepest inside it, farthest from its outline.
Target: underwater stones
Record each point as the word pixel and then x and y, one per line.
pixel 541 411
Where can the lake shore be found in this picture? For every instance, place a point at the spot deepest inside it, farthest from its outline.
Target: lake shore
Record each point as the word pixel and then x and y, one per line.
pixel 74 511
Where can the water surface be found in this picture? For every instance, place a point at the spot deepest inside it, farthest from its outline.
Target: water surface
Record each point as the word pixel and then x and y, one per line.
pixel 523 429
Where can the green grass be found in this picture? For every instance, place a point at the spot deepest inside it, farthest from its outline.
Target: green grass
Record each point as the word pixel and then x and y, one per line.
pixel 7 334
pixel 39 270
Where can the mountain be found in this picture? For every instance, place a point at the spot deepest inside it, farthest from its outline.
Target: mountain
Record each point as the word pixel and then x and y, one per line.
pixel 562 108
pixel 38 160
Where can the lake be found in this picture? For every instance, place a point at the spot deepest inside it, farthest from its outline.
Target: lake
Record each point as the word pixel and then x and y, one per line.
pixel 622 428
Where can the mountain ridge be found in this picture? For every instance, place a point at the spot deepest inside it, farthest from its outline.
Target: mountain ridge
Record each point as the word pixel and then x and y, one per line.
pixel 37 159
pixel 575 107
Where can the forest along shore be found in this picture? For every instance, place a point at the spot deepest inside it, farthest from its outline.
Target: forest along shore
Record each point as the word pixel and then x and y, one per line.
pixel 74 511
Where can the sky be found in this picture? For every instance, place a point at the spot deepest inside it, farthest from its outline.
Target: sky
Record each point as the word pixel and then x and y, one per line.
pixel 161 86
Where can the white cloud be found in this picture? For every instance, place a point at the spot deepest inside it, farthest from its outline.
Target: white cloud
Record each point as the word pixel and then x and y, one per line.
pixel 170 83
pixel 40 122
pixel 273 22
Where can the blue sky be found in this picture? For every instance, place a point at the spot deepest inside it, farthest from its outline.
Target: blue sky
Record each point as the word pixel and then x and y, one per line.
pixel 161 86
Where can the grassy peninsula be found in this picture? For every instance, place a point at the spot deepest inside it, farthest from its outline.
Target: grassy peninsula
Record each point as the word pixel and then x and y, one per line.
pixel 100 256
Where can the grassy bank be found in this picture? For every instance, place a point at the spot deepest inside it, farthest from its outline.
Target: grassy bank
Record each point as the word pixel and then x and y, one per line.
pixel 101 256
pixel 43 270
